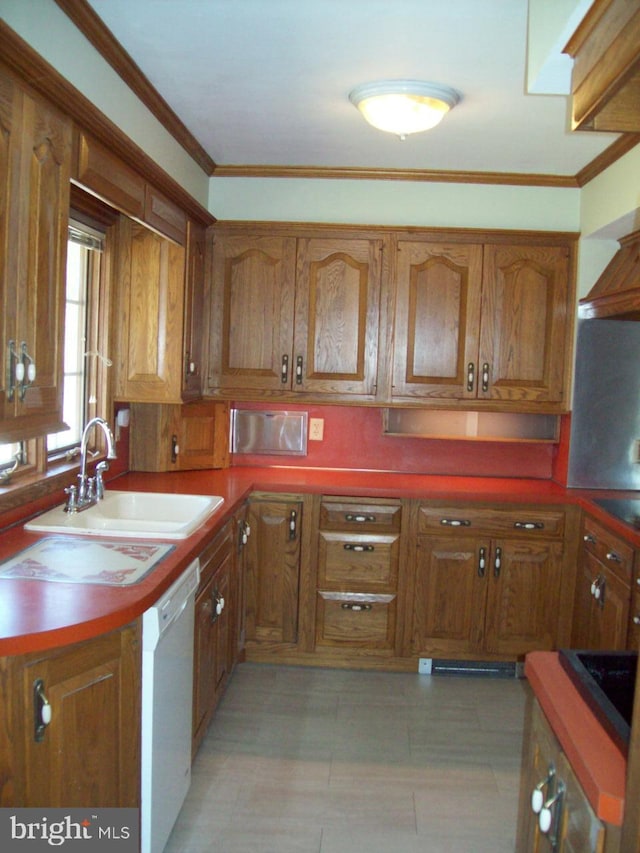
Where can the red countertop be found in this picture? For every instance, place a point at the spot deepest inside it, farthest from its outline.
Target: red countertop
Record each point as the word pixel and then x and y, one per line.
pixel 597 762
pixel 36 615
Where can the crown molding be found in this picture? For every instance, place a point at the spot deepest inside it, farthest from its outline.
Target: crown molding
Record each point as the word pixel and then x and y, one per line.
pixel 92 27
pixel 363 174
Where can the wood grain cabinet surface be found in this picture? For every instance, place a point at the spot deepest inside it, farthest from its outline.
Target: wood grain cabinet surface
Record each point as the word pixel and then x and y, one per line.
pixel 546 771
pixel 485 581
pixel 358 546
pixel 272 569
pixel 89 754
pixel 478 322
pixel 35 153
pixel 149 313
pixel 602 605
pixel 294 315
pixel 215 647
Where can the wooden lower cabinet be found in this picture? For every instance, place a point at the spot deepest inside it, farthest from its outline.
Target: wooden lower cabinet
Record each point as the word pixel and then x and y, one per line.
pixel 546 771
pixel 215 644
pixel 476 592
pixel 358 551
pixel 272 568
pixel 601 611
pixel 89 753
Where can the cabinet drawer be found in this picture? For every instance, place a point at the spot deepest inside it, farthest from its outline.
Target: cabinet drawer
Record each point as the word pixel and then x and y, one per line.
pixel 356 620
pixel 349 561
pixel 496 522
pixel 608 548
pixel 337 514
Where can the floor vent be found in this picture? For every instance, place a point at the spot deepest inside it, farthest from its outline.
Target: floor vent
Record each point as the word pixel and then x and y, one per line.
pixel 485 669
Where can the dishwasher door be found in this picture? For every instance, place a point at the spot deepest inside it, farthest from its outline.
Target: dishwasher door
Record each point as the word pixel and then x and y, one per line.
pixel 167 687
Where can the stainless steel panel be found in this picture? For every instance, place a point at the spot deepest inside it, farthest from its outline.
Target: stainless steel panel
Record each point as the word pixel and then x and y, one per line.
pixel 605 423
pixel 280 433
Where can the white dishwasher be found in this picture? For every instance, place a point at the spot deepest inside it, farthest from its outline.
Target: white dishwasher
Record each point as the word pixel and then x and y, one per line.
pixel 167 686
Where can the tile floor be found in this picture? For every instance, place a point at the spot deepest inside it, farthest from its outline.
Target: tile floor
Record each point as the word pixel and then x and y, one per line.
pixel 306 760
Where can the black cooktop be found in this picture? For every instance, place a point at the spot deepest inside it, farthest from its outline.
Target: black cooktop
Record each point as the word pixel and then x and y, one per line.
pixel 624 509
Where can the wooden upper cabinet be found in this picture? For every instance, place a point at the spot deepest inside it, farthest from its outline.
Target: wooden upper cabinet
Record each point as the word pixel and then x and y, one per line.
pixel 437 319
pixel 605 81
pixel 193 326
pixel 149 316
pixel 524 323
pixel 336 315
pixel 294 315
pixel 251 318
pixel 100 171
pixel 35 153
pixel 480 322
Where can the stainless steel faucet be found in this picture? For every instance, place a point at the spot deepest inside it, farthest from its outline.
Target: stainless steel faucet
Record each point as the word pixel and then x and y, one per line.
pixel 90 489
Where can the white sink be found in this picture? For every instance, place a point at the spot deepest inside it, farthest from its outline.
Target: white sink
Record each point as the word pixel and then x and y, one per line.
pixel 146 515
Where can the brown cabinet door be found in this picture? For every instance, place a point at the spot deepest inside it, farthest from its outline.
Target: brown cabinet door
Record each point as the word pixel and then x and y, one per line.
pixel 88 755
pixel 251 313
pixel 524 323
pixel 601 607
pixel 193 331
pixel 214 652
pixel 450 595
pixel 437 320
pixel 149 318
pixel 273 570
pixel 336 316
pixel 522 605
pixel 36 153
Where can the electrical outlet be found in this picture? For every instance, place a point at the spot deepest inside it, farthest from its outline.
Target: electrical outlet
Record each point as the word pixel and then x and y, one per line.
pixel 635 451
pixel 316 429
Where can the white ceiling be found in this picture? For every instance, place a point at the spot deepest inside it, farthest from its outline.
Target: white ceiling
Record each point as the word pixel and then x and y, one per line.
pixel 266 82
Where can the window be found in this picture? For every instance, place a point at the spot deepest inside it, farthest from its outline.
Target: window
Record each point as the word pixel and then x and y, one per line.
pixel 80 339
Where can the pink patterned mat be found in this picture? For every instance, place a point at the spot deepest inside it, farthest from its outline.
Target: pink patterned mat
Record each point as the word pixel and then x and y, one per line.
pixel 74 560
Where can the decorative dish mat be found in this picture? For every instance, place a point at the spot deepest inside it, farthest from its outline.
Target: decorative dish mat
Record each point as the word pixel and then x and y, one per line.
pixel 72 560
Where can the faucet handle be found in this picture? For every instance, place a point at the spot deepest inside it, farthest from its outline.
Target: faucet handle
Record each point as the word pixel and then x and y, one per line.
pixel 71 505
pixel 101 467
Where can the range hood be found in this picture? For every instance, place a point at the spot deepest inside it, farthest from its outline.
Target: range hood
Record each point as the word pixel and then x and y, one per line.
pixel 616 294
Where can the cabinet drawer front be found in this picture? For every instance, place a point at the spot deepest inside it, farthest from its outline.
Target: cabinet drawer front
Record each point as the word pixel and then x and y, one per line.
pixel 348 561
pixel 470 519
pixel 609 549
pixel 362 516
pixel 356 620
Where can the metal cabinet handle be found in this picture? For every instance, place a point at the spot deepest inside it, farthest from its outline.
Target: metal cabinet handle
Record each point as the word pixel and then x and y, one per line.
pixel 613 557
pixel 589 539
pixel 485 376
pixel 497 562
pixel 284 369
pixel 537 795
pixel 636 620
pixel 598 589
pixel 360 519
pixel 350 547
pixel 355 607
pixel 455 522
pixel 299 362
pixel 482 562
pixel 549 817
pixel 293 524
pixel 471 376
pixel 41 710
pixel 528 525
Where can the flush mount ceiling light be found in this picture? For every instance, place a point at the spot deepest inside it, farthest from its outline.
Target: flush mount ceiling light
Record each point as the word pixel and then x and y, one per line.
pixel 404 106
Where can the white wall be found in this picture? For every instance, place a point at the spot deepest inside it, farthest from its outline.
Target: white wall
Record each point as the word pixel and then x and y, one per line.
pixel 395 203
pixel 47 29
